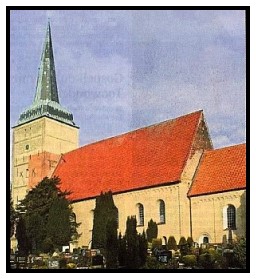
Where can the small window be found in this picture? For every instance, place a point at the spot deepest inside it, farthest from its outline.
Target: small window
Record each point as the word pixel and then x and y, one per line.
pixel 140 214
pixel 231 214
pixel 205 240
pixel 72 221
pixel 229 217
pixel 27 147
pixel 161 212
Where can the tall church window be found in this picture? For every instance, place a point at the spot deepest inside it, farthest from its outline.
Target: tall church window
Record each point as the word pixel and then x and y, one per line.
pixel 72 220
pixel 140 214
pixel 161 212
pixel 231 214
pixel 229 217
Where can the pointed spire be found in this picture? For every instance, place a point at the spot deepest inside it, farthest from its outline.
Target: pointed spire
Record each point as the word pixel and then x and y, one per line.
pixel 46 88
pixel 46 101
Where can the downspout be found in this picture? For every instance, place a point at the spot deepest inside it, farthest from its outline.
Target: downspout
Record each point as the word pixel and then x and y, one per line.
pixel 190 215
pixel 214 229
pixel 179 211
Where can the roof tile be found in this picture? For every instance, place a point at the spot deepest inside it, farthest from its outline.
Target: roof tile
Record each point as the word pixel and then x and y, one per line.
pixel 220 170
pixel 145 157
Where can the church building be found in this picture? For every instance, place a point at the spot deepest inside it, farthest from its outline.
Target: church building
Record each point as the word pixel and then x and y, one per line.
pixel 168 172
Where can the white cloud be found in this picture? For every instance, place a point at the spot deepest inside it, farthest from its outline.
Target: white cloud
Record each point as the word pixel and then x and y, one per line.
pixel 185 61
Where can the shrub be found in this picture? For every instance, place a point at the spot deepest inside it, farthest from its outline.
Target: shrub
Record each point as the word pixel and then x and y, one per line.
pixel 156 243
pixel 240 252
pixel 153 263
pixel 190 243
pixel 172 244
pixel 152 230
pixel 62 263
pixel 206 260
pixel 183 245
pixel 71 266
pixel 189 260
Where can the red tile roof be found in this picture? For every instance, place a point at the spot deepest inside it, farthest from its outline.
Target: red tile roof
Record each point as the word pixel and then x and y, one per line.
pixel 145 157
pixel 220 170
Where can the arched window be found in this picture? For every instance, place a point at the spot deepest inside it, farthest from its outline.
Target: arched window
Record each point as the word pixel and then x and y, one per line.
pixel 72 220
pixel 161 212
pixel 140 214
pixel 205 239
pixel 229 217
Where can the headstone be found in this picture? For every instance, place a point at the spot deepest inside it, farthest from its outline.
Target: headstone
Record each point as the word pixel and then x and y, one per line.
pixel 53 264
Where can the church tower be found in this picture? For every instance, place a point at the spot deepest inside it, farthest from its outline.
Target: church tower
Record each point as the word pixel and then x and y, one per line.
pixel 44 131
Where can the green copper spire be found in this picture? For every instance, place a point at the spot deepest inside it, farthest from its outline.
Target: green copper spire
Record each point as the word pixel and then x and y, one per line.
pixel 46 101
pixel 46 83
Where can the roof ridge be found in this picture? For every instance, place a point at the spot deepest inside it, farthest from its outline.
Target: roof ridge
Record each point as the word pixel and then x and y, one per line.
pixel 225 147
pixel 138 129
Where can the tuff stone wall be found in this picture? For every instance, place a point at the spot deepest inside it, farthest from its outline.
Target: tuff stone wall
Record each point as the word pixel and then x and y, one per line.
pixel 33 138
pixel 176 211
pixel 207 215
pixel 177 214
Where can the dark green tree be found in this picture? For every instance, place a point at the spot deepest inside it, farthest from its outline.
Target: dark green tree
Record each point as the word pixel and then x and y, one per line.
pixel 121 250
pixel 111 244
pixel 183 245
pixel 152 230
pixel 190 243
pixel 13 216
pixel 172 244
pixel 132 242
pixel 24 244
pixel 143 247
pixel 240 252
pixel 206 260
pixel 45 223
pixel 57 231
pixel 35 230
pixel 105 210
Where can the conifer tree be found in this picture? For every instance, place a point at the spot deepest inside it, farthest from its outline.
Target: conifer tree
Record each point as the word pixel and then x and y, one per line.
pixel 132 242
pixel 152 230
pixel 58 232
pixel 121 250
pixel 105 210
pixel 183 245
pixel 172 244
pixel 111 244
pixel 143 247
pixel 190 243
pixel 12 218
pixel 42 223
pixel 24 244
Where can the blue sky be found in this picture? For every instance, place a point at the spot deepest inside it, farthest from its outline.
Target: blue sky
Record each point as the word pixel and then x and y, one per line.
pixel 121 70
